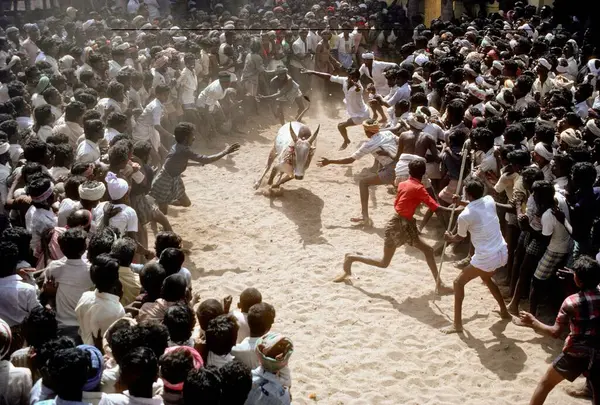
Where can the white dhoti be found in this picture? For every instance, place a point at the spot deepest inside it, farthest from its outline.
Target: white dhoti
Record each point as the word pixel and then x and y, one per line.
pixel 492 261
pixel 143 132
pixel 402 168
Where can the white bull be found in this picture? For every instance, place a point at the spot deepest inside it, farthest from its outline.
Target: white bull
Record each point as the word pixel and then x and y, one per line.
pixel 293 150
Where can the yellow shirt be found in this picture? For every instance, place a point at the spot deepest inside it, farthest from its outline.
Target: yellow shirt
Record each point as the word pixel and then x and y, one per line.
pixel 131 285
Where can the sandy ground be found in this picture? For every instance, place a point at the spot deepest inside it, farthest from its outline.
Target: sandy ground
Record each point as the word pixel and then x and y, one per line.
pixel 375 340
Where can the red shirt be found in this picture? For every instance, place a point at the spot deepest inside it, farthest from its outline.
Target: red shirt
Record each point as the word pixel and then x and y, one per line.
pixel 411 193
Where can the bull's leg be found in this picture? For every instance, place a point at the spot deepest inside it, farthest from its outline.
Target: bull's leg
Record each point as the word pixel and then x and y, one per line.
pixel 267 166
pixel 272 176
pixel 281 181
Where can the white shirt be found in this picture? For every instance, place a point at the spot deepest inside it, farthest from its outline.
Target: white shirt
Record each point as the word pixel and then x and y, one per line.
pixel 582 110
pixel 24 122
pixel 383 146
pixel 97 311
pixel 152 114
pixel 396 94
pixel 126 399
pixel 242 321
pixel 355 104
pixel 480 219
pixel 126 220
pixel 188 83
pixel 544 88
pixel 66 207
pixel 560 185
pixel 73 277
pixel 42 57
pixel 377 76
pixel 87 152
pixel 83 68
pixel 218 361
pixel 246 352
pixel 17 299
pixel 44 132
pixel 300 49
pixel 312 40
pixel 560 239
pixel 71 129
pixel 41 220
pixel 104 104
pixel 16 384
pixel 157 78
pixel 113 69
pixel 110 133
pixel 210 96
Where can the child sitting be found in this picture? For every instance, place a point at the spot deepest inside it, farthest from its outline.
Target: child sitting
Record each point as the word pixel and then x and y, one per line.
pixel 274 351
pixel 124 250
pixel 174 290
pixel 175 364
pixel 248 298
pixel 220 339
pixel 180 321
pixel 260 319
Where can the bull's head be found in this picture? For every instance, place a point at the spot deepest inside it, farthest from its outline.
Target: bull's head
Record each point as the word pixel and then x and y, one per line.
pixel 303 150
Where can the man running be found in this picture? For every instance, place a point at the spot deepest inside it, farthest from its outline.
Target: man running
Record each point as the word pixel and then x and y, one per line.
pixel 356 108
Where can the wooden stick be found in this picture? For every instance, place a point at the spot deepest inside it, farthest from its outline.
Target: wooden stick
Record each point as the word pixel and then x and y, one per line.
pixel 458 186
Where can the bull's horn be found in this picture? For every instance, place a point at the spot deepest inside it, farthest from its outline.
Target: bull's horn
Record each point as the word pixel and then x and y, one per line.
pixel 314 136
pixel 293 134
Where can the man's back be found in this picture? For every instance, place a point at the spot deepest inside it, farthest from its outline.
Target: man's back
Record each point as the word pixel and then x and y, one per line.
pixel 415 143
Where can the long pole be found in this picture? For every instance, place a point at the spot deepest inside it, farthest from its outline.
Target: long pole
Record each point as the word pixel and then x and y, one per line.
pixel 458 186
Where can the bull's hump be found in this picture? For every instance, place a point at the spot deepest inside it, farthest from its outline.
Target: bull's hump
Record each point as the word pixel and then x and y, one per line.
pixel 301 130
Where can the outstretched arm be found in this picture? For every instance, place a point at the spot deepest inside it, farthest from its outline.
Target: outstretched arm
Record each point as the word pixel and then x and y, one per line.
pixel 204 159
pixel 345 161
pixel 532 322
pixel 322 75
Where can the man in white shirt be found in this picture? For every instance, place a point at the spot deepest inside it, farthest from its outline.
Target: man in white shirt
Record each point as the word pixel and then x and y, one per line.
pixel 543 84
pixel 117 61
pixel 72 276
pixel 399 90
pixel 188 85
pixel 17 298
pixel 374 70
pixel 301 58
pixel 208 101
pixel 115 94
pixel 88 150
pixel 116 123
pixel 98 309
pixel 383 146
pixel 479 218
pixel 356 108
pixel 73 121
pixel 260 319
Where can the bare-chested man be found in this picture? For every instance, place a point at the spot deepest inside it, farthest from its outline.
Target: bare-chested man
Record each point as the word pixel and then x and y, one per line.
pixel 325 63
pixel 383 145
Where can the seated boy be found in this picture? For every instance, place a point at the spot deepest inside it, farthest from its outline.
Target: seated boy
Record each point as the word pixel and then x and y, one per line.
pixel 260 319
pixel 124 251
pixel 221 335
pixel 579 313
pixel 248 298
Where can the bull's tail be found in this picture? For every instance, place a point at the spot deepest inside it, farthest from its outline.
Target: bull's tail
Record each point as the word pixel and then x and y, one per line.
pixel 299 116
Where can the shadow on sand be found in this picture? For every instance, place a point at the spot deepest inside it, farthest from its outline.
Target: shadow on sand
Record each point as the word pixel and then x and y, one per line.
pixel 304 208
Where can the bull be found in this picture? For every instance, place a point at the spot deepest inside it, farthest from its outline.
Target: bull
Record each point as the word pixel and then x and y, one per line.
pixel 293 149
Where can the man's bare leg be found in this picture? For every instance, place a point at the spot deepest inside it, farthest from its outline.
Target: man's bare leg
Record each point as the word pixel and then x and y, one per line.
pixel 182 202
pixel 162 219
pixel 388 254
pixel 343 128
pixel 550 380
pixel 493 287
pixel 467 274
pixel 428 252
pixel 363 187
pixel 526 272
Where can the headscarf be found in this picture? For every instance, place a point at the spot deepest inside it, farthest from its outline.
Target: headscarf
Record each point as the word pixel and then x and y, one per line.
pixel 368 56
pixel 497 65
pixel 489 107
pixel 371 126
pixel 5 339
pixel 97 365
pixel 198 363
pixel 266 343
pixel 160 62
pixel 4 147
pixel 66 62
pixel 592 67
pixel 544 62
pixel 13 61
pixel 44 195
pixel 475 91
pixel 593 127
pixel 72 12
pixel 570 137
pixel 86 192
pixel 117 188
pixel 416 121
pixel 42 85
pixel 541 150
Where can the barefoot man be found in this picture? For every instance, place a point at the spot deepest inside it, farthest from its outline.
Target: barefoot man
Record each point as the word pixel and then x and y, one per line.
pixel 481 220
pixel 383 145
pixel 402 228
pixel 356 108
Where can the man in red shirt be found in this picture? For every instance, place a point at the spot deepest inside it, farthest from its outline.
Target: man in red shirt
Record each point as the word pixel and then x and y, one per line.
pixel 402 228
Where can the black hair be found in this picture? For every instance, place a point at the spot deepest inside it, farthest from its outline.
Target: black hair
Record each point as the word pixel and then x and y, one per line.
pixel 530 175
pixel 174 288
pixel 183 131
pixel 543 192
pixel 124 139
pixel 45 352
pixel 248 298
pixel 63 155
pixel 21 237
pixel 221 334
pixel 180 321
pixel 72 243
pixel 72 186
pixel 87 99
pixel 104 272
pixel 74 110
pixel 114 89
pixel 124 251
pixel 42 115
pixel 483 136
pixel 118 155
pixel 154 335
pixel 475 188
pixel 122 338
pixel 496 124
pixel 175 366
pixel 514 134
pixel 172 259
pixel 203 383
pixel 35 150
pixel 260 318
pixel 38 187
pixel 207 311
pixel 68 370
pixel 152 277
pixel 587 271
pixel 57 139
pixel 139 369
pixel 564 162
pixel 417 168
pixel 40 326
pixel 142 149
pixel 519 157
pixel 580 153
pixel 100 242
pixel 583 175
pixel 10 128
pixel 531 110
pixel 93 129
pixel 166 239
pixel 236 380
pixel 545 133
pixel 162 89
pixel 115 119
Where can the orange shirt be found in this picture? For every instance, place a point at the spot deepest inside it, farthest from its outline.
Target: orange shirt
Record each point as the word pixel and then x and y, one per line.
pixel 411 193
